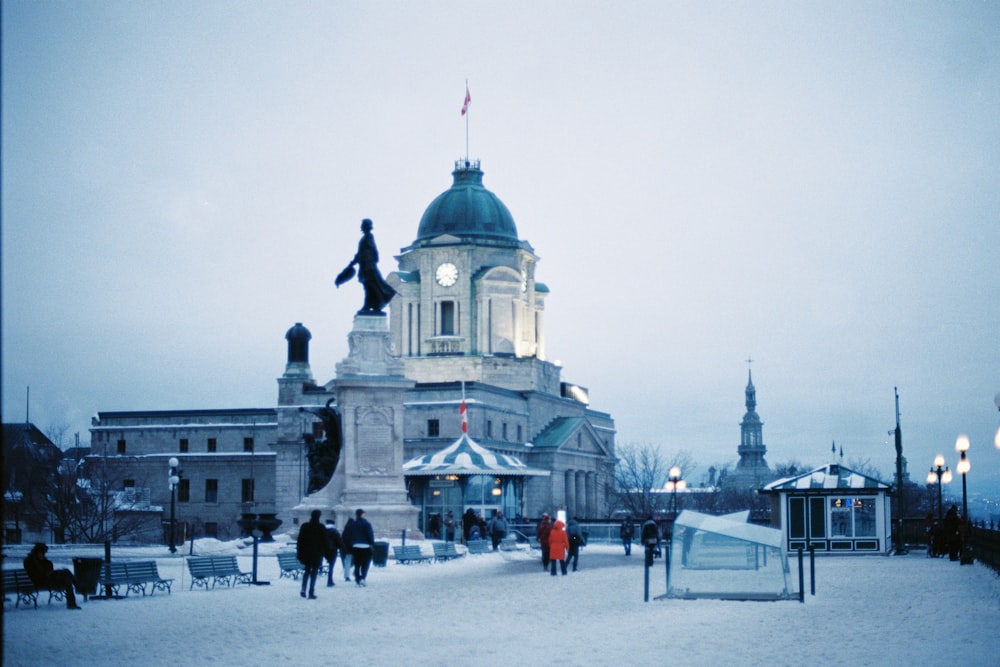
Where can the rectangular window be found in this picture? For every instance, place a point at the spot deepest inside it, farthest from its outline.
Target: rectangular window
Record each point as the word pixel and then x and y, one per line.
pixel 841 523
pixel 447 318
pixel 817 518
pixel 184 491
pixel 519 433
pixel 503 429
pixel 211 490
pixel 796 518
pixel 489 428
pixel 212 444
pixel 211 529
pixel 433 428
pixel 247 495
pixel 247 444
pixel 121 446
pixel 183 445
pixel 129 484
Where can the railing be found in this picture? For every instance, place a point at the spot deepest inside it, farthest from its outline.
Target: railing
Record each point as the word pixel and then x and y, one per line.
pixel 984 541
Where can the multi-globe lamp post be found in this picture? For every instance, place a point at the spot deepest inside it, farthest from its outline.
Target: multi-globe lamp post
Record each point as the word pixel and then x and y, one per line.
pixel 941 475
pixel 963 467
pixel 174 478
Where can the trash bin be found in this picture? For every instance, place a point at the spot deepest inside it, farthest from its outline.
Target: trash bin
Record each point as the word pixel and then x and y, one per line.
pixel 380 554
pixel 87 571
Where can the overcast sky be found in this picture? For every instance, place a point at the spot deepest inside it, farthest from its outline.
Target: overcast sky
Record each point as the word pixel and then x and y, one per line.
pixel 813 185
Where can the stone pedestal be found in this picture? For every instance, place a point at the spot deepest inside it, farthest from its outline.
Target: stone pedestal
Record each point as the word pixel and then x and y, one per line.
pixel 370 389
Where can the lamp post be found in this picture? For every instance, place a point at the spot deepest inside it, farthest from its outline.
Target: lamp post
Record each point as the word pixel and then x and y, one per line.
pixel 963 467
pixel 996 438
pixel 940 474
pixel 173 479
pixel 674 484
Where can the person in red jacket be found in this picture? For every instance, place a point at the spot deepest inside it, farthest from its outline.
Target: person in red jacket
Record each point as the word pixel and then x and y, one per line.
pixel 558 547
pixel 44 575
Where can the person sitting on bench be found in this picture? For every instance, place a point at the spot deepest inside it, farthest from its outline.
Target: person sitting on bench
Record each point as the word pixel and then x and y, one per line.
pixel 44 575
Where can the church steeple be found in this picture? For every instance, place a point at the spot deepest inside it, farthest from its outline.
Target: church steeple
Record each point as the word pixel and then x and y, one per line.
pixel 752 449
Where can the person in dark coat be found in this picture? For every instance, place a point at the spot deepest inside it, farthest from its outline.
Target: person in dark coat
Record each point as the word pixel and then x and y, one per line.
pixel 363 545
pixel 333 546
pixel 468 521
pixel 577 540
pixel 497 529
pixel 542 532
pixel 952 533
pixel 627 532
pixel 310 548
pixel 44 575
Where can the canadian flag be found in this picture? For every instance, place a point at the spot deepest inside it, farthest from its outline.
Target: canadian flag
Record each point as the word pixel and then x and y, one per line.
pixel 468 101
pixel 465 417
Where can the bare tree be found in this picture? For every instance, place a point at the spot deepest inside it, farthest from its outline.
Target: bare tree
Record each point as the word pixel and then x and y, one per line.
pixel 640 474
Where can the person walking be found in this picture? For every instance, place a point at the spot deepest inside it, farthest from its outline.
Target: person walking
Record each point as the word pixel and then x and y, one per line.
pixel 333 548
pixel 497 528
pixel 43 574
pixel 310 548
pixel 558 547
pixel 627 532
pixel 449 527
pixel 362 545
pixel 577 540
pixel 346 550
pixel 542 532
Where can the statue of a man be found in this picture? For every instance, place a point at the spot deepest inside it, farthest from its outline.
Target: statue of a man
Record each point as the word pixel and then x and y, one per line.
pixel 378 293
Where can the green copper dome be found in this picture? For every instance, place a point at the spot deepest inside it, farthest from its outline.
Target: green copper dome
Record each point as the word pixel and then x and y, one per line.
pixel 468 210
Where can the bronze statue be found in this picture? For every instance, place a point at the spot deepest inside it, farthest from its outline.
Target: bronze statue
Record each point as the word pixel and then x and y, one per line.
pixel 324 455
pixel 378 293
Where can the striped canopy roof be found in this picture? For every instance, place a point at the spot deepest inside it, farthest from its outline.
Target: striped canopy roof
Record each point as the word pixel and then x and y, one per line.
pixel 465 457
pixel 833 477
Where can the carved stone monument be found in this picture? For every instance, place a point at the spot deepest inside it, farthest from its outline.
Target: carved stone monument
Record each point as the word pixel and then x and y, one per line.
pixel 370 387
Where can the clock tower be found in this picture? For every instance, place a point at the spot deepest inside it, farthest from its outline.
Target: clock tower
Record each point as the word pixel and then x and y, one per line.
pixel 466 286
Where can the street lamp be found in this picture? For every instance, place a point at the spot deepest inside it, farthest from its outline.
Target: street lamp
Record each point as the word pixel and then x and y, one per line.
pixel 940 474
pixel 963 467
pixel 173 479
pixel 674 484
pixel 996 438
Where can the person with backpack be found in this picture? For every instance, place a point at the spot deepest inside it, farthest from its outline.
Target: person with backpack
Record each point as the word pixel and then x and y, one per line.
pixel 577 539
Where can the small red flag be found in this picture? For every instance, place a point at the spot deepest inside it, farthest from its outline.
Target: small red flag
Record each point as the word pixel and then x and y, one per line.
pixel 465 417
pixel 468 101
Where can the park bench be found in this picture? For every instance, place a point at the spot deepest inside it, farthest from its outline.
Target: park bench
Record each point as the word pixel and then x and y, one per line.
pixel 291 566
pixel 478 546
pixel 409 554
pixel 133 577
pixel 206 570
pixel 18 583
pixel 445 551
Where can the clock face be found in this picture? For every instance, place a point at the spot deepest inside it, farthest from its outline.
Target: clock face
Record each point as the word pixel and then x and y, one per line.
pixel 446 274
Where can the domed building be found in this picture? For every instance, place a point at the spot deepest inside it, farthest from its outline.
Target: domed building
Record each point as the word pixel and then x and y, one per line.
pixel 470 311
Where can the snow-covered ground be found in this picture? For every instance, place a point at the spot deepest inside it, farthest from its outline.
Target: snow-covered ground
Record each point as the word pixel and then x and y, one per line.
pixel 491 610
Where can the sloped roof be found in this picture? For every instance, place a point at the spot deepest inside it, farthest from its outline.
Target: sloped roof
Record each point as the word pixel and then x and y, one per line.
pixel 466 457
pixel 558 431
pixel 731 525
pixel 829 477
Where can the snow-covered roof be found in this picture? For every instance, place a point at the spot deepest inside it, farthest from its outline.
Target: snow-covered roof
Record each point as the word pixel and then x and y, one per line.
pixel 833 477
pixel 466 457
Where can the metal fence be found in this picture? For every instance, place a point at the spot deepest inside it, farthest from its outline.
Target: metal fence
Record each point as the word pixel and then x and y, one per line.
pixel 984 540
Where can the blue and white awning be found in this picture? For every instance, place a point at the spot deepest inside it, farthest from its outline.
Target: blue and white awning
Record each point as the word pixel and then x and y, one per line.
pixel 466 457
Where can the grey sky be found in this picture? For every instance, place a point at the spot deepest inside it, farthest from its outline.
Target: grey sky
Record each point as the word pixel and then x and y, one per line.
pixel 814 185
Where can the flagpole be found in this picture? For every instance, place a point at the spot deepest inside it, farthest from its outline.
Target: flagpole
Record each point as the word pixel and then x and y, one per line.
pixel 466 156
